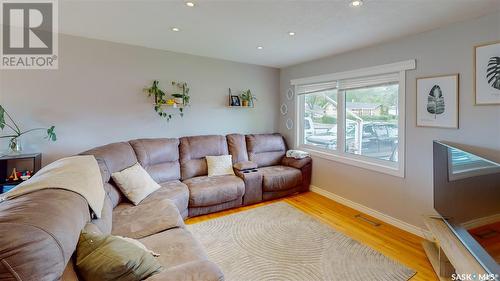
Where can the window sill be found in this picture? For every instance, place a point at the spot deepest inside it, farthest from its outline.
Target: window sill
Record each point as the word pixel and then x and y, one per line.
pixel 365 164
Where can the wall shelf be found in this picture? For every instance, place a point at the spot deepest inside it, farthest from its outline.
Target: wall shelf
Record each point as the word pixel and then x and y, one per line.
pixel 231 106
pixel 176 106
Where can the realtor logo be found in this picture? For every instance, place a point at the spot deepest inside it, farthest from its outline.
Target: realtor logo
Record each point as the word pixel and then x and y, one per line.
pixel 29 34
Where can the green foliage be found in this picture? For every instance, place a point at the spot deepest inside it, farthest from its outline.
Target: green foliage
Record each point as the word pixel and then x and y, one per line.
pixel 51 134
pixel 16 132
pixel 181 90
pixel 325 119
pixel 247 96
pixel 155 91
pixel 381 118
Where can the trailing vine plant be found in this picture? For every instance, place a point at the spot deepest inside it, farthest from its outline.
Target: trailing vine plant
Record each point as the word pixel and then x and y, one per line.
pixel 164 102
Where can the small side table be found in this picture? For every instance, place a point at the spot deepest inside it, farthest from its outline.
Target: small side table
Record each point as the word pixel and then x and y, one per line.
pixel 21 162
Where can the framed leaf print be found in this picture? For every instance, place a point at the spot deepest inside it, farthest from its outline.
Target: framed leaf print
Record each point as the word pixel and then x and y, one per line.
pixel 437 101
pixel 487 73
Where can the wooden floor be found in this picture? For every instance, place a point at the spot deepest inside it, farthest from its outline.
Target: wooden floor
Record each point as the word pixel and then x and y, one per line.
pixel 387 239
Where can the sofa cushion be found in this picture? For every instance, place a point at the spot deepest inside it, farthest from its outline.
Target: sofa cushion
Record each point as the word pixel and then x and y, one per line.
pixel 107 257
pixel 191 271
pixel 237 147
pixel 114 193
pixel 105 222
pixel 193 151
pixel 207 191
pixel 266 149
pixel 113 157
pixel 175 246
pixel 159 157
pixel 135 183
pixel 176 191
pixel 145 219
pixel 276 178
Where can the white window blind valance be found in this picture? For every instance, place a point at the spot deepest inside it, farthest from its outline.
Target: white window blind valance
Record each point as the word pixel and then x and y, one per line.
pixel 361 82
pixel 317 87
pixel 346 84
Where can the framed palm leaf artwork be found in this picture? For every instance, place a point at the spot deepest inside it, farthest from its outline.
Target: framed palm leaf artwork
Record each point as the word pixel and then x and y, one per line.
pixel 487 73
pixel 437 101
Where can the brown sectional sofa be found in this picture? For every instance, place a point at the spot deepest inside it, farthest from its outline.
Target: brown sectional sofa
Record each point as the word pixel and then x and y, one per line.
pixel 39 231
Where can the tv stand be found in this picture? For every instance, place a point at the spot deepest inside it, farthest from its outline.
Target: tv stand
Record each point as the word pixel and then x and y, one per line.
pixel 447 254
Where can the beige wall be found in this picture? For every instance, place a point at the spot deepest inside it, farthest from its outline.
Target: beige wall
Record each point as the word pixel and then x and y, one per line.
pixel 442 51
pixel 95 97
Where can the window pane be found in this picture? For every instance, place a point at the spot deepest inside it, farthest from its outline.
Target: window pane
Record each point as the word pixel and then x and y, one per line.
pixel 372 122
pixel 320 119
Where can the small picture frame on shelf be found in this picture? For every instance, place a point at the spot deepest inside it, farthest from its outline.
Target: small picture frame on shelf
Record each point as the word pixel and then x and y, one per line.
pixel 235 101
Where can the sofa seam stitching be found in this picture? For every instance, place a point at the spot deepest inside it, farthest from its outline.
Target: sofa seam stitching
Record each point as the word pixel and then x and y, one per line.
pixel 13 272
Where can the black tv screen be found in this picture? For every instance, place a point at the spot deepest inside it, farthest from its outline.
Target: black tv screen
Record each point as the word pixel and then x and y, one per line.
pixel 467 196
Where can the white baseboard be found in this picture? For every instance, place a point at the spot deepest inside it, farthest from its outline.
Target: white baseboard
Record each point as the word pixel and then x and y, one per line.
pixel 374 213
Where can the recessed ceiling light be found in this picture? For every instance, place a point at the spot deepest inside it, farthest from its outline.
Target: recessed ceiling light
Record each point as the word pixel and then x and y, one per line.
pixel 291 33
pixel 190 4
pixel 175 29
pixel 260 47
pixel 356 3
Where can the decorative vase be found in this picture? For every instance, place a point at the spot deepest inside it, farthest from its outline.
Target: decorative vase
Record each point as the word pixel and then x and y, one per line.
pixel 245 103
pixel 178 100
pixel 15 145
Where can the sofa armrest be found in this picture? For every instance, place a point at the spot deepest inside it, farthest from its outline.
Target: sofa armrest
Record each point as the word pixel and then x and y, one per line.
pixel 245 165
pixel 253 186
pixel 192 271
pixel 296 163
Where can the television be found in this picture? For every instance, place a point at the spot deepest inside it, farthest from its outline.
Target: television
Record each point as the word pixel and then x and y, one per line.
pixel 467 198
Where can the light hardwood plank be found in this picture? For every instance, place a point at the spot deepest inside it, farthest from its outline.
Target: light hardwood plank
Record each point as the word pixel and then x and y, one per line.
pixel 387 239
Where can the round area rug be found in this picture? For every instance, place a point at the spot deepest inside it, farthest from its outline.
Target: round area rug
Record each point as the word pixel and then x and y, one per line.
pixel 279 242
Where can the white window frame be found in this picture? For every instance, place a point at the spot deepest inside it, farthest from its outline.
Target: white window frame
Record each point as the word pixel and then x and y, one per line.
pixel 339 155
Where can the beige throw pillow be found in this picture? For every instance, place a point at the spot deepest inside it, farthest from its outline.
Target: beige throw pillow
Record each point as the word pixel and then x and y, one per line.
pixel 135 183
pixel 220 165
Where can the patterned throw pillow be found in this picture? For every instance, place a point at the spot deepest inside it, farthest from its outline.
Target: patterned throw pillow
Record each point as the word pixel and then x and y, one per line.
pixel 220 165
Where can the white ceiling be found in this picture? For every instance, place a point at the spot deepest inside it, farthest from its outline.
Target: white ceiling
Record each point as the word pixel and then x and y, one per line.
pixel 232 30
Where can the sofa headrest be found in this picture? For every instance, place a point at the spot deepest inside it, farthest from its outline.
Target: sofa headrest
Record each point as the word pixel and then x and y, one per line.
pixel 113 157
pixel 193 151
pixel 266 149
pixel 237 147
pixel 159 157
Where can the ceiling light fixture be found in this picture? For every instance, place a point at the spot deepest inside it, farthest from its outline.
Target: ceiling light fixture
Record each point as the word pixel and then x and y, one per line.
pixel 175 29
pixel 260 47
pixel 291 33
pixel 356 3
pixel 190 4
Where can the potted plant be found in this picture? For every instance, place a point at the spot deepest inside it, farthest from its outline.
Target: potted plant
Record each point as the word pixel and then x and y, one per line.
pixel 14 136
pixel 182 96
pixel 247 98
pixel 155 91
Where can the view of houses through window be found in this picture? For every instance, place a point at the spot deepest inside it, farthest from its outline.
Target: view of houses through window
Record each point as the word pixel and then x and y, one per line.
pixel 320 124
pixel 371 121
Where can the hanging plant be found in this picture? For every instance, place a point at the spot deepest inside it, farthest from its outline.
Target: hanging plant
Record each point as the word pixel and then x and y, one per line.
pixel 164 102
